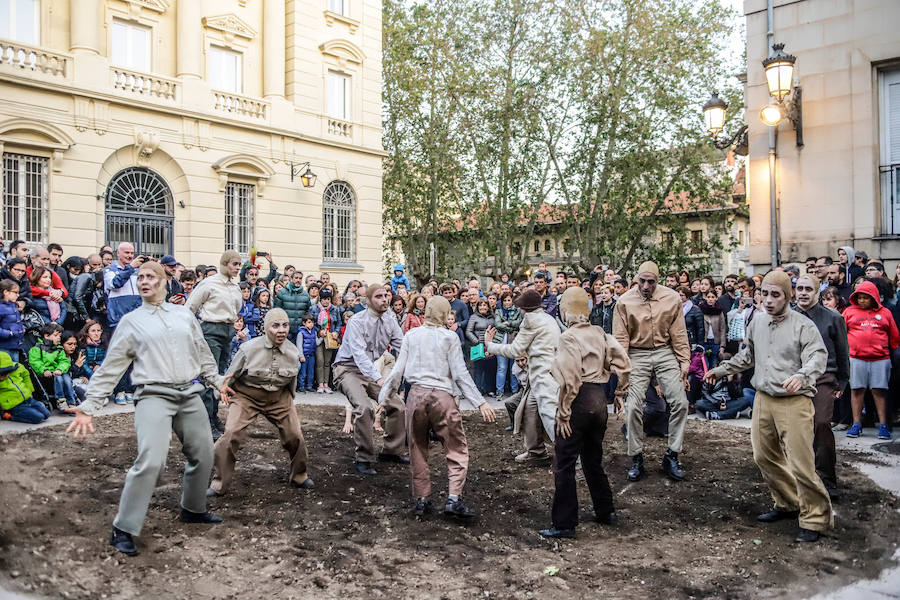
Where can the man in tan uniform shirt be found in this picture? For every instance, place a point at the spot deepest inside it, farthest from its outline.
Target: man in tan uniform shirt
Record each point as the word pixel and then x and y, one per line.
pixel 263 377
pixel 648 323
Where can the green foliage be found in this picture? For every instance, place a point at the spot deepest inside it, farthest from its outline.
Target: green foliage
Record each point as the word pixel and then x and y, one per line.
pixel 495 109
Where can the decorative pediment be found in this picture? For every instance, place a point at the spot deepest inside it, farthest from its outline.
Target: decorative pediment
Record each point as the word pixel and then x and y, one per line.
pixel 243 165
pixel 33 133
pixel 159 6
pixel 343 51
pixel 230 25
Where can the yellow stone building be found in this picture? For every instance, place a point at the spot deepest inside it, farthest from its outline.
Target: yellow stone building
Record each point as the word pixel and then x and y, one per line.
pixel 174 124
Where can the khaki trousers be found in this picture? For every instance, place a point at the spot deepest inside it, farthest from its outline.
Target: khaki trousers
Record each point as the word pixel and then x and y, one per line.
pixel 324 356
pixel 247 404
pixel 529 422
pixel 159 410
pixel 429 407
pixel 782 438
pixel 644 364
pixel 362 393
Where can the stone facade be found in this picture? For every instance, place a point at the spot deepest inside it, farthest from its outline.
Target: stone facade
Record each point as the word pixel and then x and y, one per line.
pixel 831 192
pixel 230 94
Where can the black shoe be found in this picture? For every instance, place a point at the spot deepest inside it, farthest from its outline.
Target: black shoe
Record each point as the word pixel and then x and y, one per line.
pixel 123 542
pixel 637 468
pixel 778 515
pixel 420 507
pixel 394 458
pixel 671 467
pixel 611 519
pixel 553 532
pixel 307 484
pixel 625 432
pixel 207 517
pixel 211 493
pixel 807 535
pixel 216 432
pixel 833 493
pixel 456 508
pixel 364 468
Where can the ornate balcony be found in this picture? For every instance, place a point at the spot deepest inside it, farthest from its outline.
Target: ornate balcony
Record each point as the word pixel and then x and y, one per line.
pixel 28 58
pixel 135 82
pixel 241 105
pixel 340 128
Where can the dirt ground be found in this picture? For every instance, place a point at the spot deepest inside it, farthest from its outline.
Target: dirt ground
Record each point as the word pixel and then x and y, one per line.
pixel 351 537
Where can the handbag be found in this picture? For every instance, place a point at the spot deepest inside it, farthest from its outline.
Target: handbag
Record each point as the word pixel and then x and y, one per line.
pixel 476 352
pixel 331 343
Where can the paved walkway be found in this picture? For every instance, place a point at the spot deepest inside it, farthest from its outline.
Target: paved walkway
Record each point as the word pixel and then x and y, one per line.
pixel 882 468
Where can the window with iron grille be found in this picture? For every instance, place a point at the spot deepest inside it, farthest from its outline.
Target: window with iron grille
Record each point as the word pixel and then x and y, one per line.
pixel 239 217
pixel 25 192
pixel 338 223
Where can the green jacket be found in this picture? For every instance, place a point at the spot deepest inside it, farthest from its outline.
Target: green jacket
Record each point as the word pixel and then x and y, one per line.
pixel 295 302
pixel 16 388
pixel 44 357
pixel 510 325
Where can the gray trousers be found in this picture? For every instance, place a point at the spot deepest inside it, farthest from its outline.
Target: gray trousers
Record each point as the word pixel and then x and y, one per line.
pixel 218 338
pixel 644 364
pixel 159 410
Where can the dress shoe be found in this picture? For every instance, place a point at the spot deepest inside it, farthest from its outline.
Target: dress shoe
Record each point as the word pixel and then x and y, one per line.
pixel 611 519
pixel 456 508
pixel 364 468
pixel 807 536
pixel 553 532
pixel 207 517
pixel 394 458
pixel 123 542
pixel 637 468
pixel 778 515
pixel 833 493
pixel 671 467
pixel 307 484
pixel 420 507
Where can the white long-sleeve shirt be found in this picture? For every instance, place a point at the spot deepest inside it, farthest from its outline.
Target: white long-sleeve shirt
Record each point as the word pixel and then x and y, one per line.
pixel 165 344
pixel 431 356
pixel 366 338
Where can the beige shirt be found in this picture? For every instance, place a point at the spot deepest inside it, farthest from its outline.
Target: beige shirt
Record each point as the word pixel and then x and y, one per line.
pixel 653 323
pixel 586 354
pixel 261 364
pixel 217 298
pixel 780 347
pixel 164 343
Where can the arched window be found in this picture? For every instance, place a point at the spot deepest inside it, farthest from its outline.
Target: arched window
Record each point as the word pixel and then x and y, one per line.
pixel 139 210
pixel 546 245
pixel 338 223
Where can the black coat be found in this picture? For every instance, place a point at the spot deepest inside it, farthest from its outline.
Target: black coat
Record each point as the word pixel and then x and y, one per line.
pixel 696 327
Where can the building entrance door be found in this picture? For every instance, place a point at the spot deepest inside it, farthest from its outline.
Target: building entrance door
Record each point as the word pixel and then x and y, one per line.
pixel 139 210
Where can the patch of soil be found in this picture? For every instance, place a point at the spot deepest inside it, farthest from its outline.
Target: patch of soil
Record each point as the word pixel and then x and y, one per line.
pixel 351 537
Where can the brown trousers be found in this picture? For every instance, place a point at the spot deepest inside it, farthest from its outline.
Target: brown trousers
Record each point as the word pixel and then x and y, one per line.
pixel 782 434
pixel 248 403
pixel 362 393
pixel 527 420
pixel 823 437
pixel 429 407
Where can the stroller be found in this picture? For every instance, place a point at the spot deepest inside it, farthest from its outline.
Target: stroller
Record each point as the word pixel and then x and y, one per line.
pixel 33 321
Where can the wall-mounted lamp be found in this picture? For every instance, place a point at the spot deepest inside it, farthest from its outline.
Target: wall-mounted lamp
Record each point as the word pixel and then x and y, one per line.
pixel 779 67
pixel 307 177
pixel 714 116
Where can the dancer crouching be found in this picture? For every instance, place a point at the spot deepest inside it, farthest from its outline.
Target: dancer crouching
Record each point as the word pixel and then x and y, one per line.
pixel 431 361
pixel 165 344
pixel 586 357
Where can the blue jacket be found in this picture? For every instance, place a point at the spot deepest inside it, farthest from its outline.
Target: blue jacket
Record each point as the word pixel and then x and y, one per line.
pixel 12 332
pixel 306 341
pixel 40 305
pixel 334 317
pixel 122 297
pixel 398 279
pixel 251 316
pixel 93 358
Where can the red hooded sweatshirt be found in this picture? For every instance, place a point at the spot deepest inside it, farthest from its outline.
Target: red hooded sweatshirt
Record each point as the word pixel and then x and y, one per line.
pixel 872 333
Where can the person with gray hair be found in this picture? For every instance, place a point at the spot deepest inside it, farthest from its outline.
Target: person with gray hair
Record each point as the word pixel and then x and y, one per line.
pixel 120 284
pixel 57 290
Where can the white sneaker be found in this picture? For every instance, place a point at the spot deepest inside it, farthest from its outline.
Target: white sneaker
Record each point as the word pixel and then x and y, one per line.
pixel 320 390
pixel 120 398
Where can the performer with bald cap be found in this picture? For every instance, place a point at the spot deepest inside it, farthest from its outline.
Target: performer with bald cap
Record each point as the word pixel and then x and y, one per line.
pixel 368 335
pixel 648 322
pixel 431 361
pixel 164 344
pixel 218 301
pixel 261 380
pixel 789 356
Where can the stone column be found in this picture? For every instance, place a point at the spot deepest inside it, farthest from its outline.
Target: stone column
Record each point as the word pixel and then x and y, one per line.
pixel 84 26
pixel 273 48
pixel 190 39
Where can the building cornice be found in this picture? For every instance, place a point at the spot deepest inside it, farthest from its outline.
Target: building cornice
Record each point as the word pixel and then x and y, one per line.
pixel 70 90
